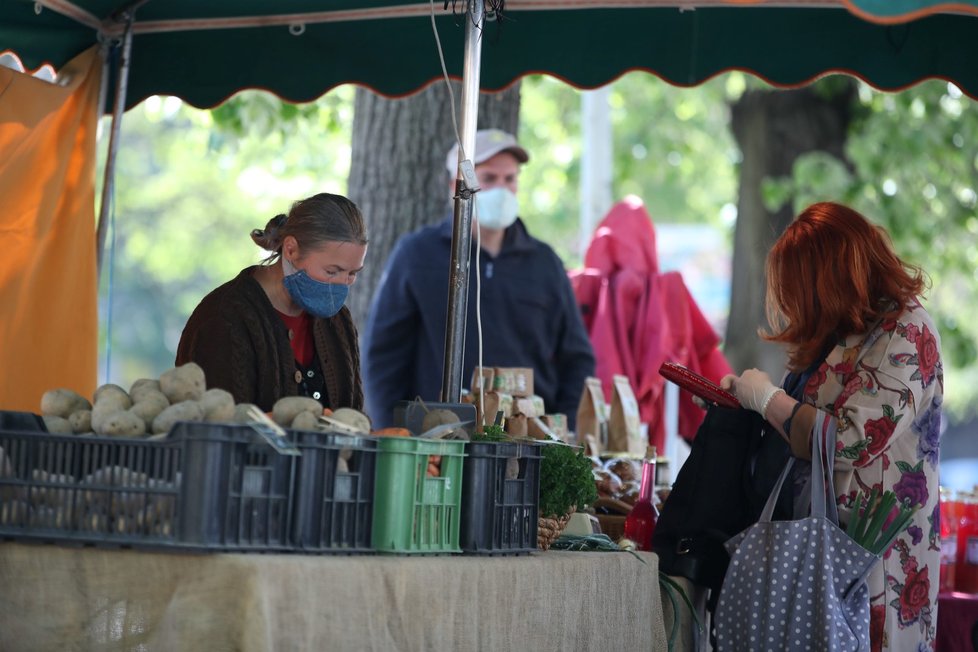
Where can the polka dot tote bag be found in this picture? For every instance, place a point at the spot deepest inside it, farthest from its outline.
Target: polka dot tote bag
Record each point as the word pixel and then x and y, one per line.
pixel 797 585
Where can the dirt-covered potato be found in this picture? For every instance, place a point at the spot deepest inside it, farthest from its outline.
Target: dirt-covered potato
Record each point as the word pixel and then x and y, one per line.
pixel 241 412
pixel 182 411
pixel 217 405
pixel 355 419
pixel 287 408
pixel 58 425
pixel 123 424
pixel 113 394
pixel 101 411
pixel 141 387
pixel 435 418
pixel 183 383
pixel 62 402
pixel 305 421
pixel 148 407
pixel 81 421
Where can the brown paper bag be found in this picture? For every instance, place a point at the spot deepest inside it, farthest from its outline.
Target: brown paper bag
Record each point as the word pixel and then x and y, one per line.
pixel 515 381
pixel 482 377
pixel 558 424
pixel 494 402
pixel 516 425
pixel 531 406
pixel 591 411
pixel 625 424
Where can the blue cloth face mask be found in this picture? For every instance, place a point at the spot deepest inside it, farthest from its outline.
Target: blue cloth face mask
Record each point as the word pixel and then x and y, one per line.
pixel 315 297
pixel 497 208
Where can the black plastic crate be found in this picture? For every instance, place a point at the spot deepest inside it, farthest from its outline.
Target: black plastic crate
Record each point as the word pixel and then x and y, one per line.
pixel 334 492
pixel 206 486
pixel 500 498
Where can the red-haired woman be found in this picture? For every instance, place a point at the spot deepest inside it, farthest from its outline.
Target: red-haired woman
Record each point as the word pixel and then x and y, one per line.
pixel 847 309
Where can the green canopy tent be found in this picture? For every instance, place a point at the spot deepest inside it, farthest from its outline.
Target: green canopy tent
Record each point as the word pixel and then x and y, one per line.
pixel 203 52
pixel 299 49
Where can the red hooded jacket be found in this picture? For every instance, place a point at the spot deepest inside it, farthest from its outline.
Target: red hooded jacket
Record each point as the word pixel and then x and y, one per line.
pixel 638 318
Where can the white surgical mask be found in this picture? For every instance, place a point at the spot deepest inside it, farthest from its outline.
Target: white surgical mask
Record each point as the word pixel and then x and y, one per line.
pixel 497 208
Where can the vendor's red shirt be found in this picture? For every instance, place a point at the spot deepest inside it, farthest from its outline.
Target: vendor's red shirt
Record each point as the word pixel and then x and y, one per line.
pixel 300 336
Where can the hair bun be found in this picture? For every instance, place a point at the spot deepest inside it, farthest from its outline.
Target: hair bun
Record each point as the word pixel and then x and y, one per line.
pixel 267 238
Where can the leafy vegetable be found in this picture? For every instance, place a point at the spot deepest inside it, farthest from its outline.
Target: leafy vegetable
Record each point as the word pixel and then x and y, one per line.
pixel 866 523
pixel 565 480
pixel 491 432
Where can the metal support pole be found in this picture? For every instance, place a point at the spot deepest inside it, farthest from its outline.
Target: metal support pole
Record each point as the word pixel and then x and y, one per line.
pixel 458 275
pixel 108 183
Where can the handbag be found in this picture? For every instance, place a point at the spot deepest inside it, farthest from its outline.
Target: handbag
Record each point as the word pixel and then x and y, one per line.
pixel 800 584
pixel 720 490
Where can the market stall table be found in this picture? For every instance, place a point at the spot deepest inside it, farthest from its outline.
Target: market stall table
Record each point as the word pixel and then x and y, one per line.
pixel 64 598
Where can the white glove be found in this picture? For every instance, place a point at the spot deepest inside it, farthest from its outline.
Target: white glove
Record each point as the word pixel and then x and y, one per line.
pixel 753 389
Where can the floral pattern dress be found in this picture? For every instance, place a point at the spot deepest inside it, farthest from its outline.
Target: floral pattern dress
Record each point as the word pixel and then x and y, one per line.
pixel 885 388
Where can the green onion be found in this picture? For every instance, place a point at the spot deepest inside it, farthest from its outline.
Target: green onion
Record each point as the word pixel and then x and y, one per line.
pixel 866 523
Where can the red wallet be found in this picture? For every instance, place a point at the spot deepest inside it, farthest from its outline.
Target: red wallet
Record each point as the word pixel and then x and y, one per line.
pixel 698 385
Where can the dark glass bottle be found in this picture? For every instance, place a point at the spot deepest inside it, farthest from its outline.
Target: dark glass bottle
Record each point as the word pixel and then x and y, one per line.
pixel 641 520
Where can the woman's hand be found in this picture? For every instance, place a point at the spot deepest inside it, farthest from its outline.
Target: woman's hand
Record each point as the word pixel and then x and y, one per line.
pixel 753 389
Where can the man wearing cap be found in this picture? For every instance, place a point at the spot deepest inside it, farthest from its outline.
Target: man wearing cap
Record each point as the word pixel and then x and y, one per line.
pixel 530 317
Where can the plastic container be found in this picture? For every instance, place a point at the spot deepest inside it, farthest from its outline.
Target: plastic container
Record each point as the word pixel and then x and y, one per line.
pixel 334 492
pixel 500 498
pixel 206 486
pixel 414 512
pixel 949 540
pixel 966 570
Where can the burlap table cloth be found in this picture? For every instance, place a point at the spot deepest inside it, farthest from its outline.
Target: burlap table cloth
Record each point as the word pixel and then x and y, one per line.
pixel 75 599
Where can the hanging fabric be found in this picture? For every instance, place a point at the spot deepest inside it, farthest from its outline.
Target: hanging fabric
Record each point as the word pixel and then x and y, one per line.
pixel 48 285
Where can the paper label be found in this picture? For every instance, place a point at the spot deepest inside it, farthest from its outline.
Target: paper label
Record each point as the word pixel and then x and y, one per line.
pixel 279 443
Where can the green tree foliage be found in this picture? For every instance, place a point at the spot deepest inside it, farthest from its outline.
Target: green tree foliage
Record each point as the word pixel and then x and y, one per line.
pixel 192 184
pixel 672 147
pixel 187 196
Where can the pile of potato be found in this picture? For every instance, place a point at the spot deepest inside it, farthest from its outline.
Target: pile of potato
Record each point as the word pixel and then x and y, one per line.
pixel 150 407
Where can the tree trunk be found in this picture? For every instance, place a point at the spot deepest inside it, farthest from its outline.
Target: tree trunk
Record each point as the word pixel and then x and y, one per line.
pixel 773 129
pixel 397 170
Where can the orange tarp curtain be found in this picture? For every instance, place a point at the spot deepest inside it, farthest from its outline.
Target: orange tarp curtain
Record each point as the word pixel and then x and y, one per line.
pixel 48 284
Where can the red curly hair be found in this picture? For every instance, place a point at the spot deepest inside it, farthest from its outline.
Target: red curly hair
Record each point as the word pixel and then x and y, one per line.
pixel 832 273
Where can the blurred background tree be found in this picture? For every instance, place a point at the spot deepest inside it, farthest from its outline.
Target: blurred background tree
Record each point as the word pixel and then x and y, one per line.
pixel 192 184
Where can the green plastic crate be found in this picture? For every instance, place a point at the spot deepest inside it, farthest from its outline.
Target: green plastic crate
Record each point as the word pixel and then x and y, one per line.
pixel 414 513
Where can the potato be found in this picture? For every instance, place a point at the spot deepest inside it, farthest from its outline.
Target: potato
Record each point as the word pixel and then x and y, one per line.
pixel 14 512
pixel 102 410
pixel 217 405
pixel 183 383
pixel 123 424
pixel 149 405
pixel 141 387
pixel 62 402
pixel 182 411
pixel 286 409
pixel 352 418
pixel 57 425
pixel 305 421
pixel 435 418
pixel 241 412
pixel 113 394
pixel 81 421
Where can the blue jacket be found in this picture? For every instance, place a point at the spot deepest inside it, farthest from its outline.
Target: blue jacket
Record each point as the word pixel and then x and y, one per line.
pixel 530 318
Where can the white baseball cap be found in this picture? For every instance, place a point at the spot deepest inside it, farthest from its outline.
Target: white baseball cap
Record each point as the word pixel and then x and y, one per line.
pixel 488 143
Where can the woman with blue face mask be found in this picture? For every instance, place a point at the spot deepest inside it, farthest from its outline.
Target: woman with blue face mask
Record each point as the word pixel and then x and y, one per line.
pixel 281 328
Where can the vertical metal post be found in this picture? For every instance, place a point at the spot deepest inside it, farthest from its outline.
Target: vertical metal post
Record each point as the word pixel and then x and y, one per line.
pixel 458 277
pixel 108 183
pixel 596 162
